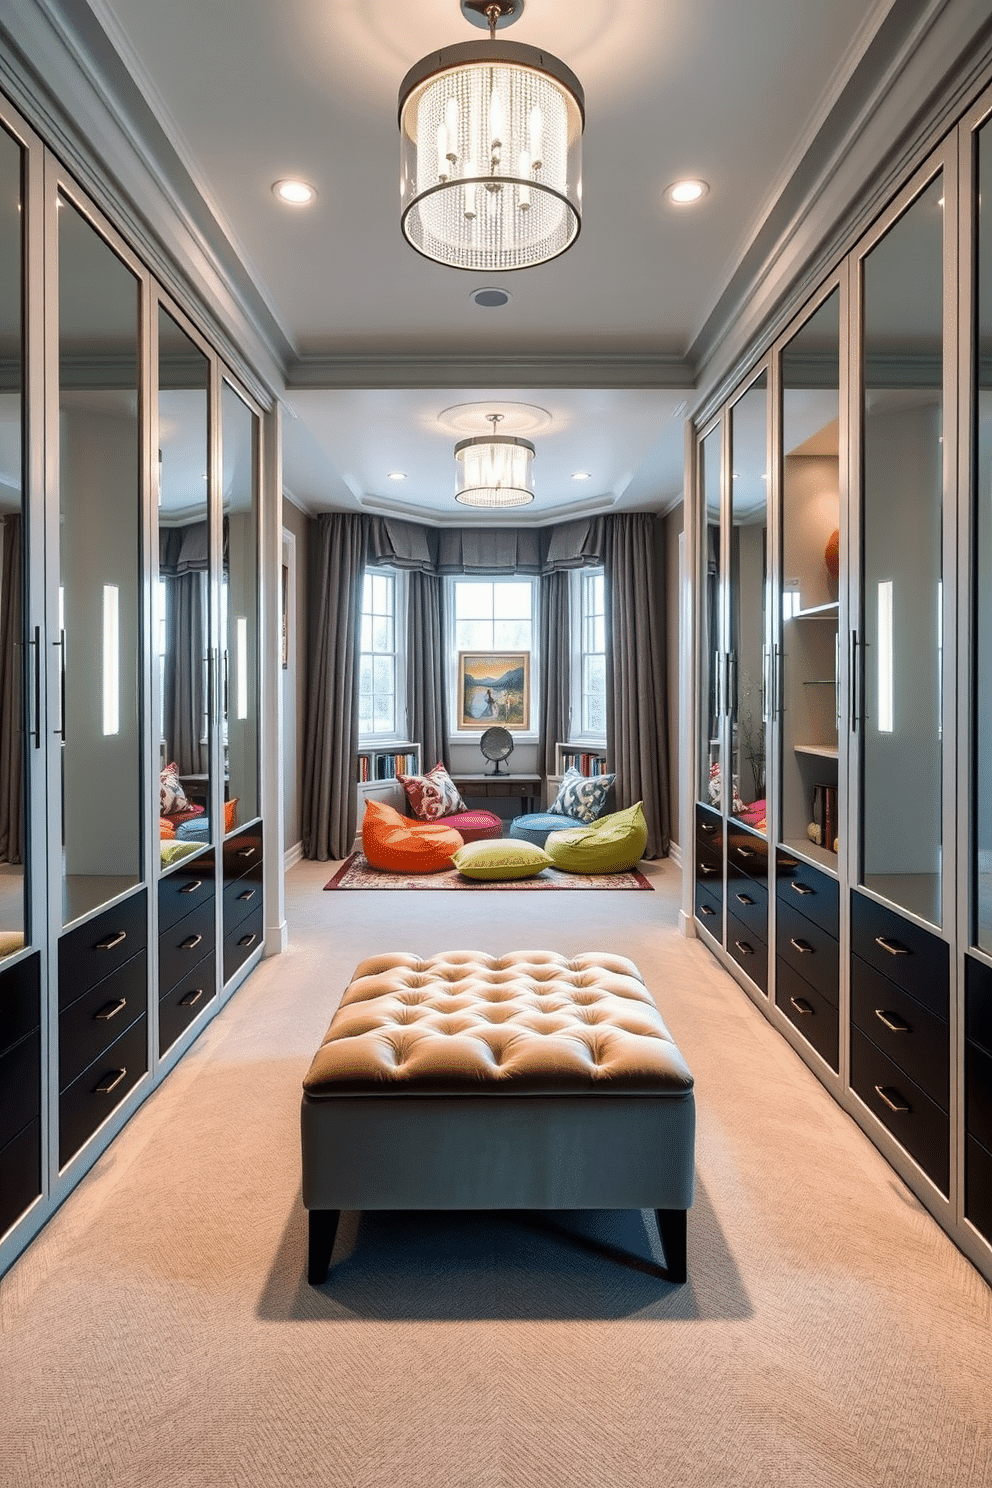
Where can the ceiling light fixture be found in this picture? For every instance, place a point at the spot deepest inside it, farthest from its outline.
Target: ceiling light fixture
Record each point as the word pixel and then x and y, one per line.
pixel 396 475
pixel 684 193
pixel 582 475
pixel 491 150
pixel 294 193
pixel 494 469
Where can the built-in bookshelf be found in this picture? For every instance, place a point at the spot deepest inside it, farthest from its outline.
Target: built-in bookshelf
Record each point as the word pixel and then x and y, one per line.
pixel 584 758
pixel 378 770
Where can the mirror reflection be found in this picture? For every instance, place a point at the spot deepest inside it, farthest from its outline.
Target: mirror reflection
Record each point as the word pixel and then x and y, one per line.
pixel 99 612
pixel 982 497
pixel 748 582
pixel 13 837
pixel 708 784
pixel 183 596
pixel 239 610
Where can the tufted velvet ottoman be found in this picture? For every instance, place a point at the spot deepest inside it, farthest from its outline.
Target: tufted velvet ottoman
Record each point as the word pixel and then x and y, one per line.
pixel 525 1081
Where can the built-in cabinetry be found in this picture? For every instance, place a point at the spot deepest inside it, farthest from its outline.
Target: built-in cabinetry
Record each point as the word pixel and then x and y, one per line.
pixel 844 682
pixel 129 641
pixel 585 758
pixel 378 770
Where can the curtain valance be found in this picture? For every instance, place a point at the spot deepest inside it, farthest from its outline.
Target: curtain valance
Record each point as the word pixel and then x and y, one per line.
pixel 485 550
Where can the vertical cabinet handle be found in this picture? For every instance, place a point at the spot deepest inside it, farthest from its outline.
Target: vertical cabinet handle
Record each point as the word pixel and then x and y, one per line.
pixel 718 683
pixel 60 643
pixel 837 678
pixel 854 681
pixel 34 729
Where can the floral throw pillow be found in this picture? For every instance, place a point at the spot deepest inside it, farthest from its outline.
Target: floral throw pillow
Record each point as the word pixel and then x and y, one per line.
pixel 433 795
pixel 582 797
pixel 171 795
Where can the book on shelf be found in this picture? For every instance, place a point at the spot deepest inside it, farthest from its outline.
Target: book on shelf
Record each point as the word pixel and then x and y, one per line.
pixel 385 765
pixel 586 764
pixel 824 816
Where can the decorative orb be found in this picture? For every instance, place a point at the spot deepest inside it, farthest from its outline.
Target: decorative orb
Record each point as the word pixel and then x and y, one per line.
pixel 831 554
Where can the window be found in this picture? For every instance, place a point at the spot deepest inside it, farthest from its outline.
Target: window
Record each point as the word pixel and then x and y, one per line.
pixel 381 712
pixel 493 615
pixel 589 656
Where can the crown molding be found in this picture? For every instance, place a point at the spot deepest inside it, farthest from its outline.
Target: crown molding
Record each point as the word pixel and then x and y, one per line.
pixel 441 370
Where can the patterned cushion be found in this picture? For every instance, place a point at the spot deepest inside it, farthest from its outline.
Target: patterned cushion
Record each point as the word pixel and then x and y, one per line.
pixel 433 795
pixel 500 860
pixel 171 795
pixel 582 796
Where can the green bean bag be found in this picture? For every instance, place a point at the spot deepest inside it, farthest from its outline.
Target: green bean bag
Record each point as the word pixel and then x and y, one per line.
pixel 609 845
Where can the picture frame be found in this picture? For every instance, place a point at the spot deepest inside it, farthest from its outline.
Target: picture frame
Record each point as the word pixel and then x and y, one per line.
pixel 494 688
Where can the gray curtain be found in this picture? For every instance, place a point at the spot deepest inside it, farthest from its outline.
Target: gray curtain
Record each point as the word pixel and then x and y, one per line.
pixel 556 661
pixel 426 692
pixel 489 550
pixel 183 703
pixel 11 700
pixel 578 544
pixel 637 721
pixel 338 553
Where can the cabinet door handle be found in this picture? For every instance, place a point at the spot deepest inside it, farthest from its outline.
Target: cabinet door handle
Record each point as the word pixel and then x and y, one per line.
pixel 892 1098
pixel 744 899
pixel 246 852
pixel 190 943
pixel 112 941
pixel 60 643
pixel 892 1021
pixel 894 947
pixel 35 732
pixel 744 948
pixel 707 909
pixel 802 946
pixel 110 1082
pixel 191 998
pixel 801 1005
pixel 801 888
pixel 110 1010
pixel 247 940
pixel 854 682
pixel 191 888
pixel 248 894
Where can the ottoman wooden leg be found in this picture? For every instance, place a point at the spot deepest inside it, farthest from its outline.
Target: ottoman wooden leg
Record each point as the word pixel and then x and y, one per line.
pixel 323 1227
pixel 672 1229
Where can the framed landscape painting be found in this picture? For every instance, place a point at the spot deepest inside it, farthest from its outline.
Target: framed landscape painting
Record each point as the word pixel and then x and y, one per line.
pixel 494 687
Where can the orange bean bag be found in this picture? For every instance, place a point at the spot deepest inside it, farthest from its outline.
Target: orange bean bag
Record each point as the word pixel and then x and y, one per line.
pixel 400 845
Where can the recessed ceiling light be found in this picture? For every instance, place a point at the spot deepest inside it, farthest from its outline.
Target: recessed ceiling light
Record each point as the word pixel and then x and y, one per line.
pixel 582 475
pixel 490 297
pixel 396 475
pixel 294 193
pixel 684 193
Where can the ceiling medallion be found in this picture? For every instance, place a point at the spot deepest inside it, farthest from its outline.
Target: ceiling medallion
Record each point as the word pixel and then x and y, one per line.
pixel 494 470
pixel 475 418
pixel 491 150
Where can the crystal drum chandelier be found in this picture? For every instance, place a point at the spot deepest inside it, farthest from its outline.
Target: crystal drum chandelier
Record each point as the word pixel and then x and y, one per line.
pixel 491 150
pixel 494 469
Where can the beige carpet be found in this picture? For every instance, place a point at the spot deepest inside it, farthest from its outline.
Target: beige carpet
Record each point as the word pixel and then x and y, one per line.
pixel 160 1331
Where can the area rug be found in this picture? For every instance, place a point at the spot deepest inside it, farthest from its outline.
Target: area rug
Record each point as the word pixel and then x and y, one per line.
pixel 356 873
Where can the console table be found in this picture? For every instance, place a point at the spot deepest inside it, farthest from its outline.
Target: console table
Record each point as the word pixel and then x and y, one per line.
pixel 527 788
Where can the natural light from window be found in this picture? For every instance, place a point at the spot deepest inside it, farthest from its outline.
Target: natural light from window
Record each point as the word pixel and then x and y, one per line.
pixel 377 688
pixel 593 654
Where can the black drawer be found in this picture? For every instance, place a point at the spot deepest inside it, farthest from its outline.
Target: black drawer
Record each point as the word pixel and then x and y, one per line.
pixel 241 898
pixel 185 943
pixel 242 943
pixel 978 1187
pixel 20 1086
pixel 910 1115
pixel 709 832
pixel 811 952
pixel 20 1174
pixel 20 1000
pixel 747 901
pixel 94 950
pixel 709 910
pixel 243 855
pixel 978 995
pixel 902 951
pixel 817 1019
pixel 184 888
pixel 186 1001
pixel 709 874
pixel 748 950
pixel 978 1093
pixel 816 895
pixel 89 1100
pixel 748 851
pixel 97 1019
pixel 903 1029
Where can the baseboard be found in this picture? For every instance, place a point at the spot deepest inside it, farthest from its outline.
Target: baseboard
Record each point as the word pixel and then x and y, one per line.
pixel 687 925
pixel 292 856
pixel 675 853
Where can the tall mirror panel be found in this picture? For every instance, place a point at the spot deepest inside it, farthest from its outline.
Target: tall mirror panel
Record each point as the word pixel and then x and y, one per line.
pixel 14 845
pixel 183 597
pixel 901 598
pixel 239 639
pixel 982 717
pixel 710 760
pixel 99 608
pixel 748 612
pixel 810 577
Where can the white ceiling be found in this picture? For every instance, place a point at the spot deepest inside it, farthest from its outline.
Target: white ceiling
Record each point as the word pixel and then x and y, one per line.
pixel 249 92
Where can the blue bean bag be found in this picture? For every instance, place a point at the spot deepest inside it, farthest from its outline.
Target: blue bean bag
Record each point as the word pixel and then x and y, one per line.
pixel 535 825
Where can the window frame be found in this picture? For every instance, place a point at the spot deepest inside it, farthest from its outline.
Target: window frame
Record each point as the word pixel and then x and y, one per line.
pixel 464 736
pixel 578 733
pixel 367 741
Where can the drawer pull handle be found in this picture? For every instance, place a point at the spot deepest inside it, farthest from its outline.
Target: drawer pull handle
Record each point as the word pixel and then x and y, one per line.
pixel 707 909
pixel 744 948
pixel 801 1005
pixel 191 888
pixel 247 940
pixel 111 942
pixel 708 828
pixel 745 899
pixel 706 870
pixel 886 1094
pixel 894 947
pixel 110 1010
pixel 110 1082
pixel 802 946
pixel 246 852
pixel 248 894
pixel 800 888
pixel 191 942
pixel 892 1021
pixel 191 998
pixel 746 852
